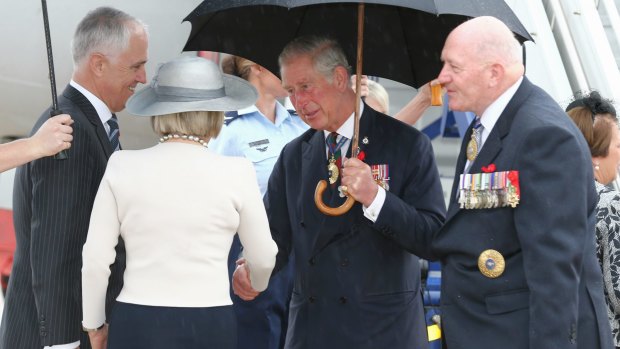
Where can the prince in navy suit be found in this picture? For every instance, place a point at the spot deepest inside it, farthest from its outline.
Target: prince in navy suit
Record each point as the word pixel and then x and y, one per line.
pixel 357 276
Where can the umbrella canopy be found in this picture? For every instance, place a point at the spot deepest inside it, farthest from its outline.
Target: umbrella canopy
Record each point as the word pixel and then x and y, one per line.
pixel 403 39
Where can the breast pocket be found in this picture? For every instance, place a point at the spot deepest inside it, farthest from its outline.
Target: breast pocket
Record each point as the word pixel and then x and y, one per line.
pixel 260 151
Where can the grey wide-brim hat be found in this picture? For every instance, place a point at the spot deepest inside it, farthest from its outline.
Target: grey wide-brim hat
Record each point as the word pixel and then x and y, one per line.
pixel 191 84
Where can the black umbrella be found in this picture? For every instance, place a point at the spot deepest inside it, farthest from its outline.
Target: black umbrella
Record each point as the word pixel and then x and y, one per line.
pixel 402 38
pixel 50 60
pixel 402 41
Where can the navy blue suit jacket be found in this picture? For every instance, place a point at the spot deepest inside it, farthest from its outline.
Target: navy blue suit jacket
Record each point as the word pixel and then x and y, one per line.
pixel 357 283
pixel 550 294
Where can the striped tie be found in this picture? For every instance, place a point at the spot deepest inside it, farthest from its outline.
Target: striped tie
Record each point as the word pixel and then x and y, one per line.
pixel 478 134
pixel 114 133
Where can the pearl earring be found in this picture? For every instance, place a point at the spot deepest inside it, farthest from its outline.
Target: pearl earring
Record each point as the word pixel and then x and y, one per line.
pixel 596 166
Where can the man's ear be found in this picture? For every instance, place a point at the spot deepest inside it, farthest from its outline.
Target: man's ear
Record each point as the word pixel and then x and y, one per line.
pixel 496 72
pixel 341 78
pixel 97 64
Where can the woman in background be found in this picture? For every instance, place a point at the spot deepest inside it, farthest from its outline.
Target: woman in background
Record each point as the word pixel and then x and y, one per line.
pixel 596 118
pixel 177 206
pixel 377 98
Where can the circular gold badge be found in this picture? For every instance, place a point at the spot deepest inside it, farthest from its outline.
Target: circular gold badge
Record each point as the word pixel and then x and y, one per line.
pixel 491 263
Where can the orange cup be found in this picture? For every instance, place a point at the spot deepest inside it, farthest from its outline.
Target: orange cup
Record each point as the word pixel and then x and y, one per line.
pixel 436 99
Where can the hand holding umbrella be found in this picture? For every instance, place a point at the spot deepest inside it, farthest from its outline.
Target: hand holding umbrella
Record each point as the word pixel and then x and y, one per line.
pixel 62 155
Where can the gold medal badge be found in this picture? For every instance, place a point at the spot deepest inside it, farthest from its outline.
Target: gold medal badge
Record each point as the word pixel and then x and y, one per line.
pixel 491 264
pixel 472 149
pixel 333 171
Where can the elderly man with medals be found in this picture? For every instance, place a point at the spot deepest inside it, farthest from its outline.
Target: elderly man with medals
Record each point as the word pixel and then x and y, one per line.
pixel 519 268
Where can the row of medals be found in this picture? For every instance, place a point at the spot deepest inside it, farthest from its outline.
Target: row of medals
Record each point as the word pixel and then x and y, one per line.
pixel 487 190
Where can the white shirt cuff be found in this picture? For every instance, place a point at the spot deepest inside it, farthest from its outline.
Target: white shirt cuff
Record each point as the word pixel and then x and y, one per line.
pixel 372 212
pixel 64 346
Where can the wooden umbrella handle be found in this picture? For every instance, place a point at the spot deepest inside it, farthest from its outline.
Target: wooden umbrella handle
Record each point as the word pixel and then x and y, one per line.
pixel 330 211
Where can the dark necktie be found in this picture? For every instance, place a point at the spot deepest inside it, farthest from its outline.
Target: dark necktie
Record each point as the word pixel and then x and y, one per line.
pixel 114 133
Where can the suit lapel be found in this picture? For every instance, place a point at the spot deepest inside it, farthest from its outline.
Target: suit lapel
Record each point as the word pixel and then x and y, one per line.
pixel 91 114
pixel 313 169
pixel 460 168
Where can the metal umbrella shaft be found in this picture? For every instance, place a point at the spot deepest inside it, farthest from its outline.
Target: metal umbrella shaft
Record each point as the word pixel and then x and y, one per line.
pixel 50 61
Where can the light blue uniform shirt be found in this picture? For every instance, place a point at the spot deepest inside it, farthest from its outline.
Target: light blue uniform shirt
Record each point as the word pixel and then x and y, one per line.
pixel 256 138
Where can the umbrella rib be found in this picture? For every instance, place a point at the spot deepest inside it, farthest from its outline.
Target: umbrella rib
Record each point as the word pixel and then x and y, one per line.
pixel 405 38
pixel 301 20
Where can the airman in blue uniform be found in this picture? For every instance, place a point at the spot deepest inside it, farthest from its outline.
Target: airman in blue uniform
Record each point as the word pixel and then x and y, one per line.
pixel 259 133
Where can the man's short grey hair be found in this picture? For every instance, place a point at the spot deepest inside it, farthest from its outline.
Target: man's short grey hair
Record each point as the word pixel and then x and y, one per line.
pixel 104 30
pixel 326 54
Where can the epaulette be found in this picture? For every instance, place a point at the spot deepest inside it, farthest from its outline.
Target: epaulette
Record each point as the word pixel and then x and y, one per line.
pixel 230 116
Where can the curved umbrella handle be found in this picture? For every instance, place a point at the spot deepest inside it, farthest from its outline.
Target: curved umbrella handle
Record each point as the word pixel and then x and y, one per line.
pixel 330 211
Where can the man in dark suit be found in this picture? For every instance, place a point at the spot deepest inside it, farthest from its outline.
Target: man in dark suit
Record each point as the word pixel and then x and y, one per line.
pixel 517 248
pixel 357 276
pixel 53 198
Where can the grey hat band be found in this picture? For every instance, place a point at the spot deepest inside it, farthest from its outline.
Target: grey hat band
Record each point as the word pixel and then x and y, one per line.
pixel 184 94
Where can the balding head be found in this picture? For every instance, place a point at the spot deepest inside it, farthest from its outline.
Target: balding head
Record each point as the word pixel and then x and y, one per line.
pixel 491 40
pixel 482 59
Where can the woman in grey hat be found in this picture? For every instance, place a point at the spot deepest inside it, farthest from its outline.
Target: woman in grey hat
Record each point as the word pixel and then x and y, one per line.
pixel 177 211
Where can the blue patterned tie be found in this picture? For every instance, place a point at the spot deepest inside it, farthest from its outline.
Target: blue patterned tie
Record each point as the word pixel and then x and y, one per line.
pixel 114 133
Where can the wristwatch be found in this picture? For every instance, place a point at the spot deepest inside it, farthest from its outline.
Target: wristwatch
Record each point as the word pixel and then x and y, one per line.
pixel 93 329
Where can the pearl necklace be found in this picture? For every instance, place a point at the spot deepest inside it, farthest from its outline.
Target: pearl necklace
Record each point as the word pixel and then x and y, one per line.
pixel 185 137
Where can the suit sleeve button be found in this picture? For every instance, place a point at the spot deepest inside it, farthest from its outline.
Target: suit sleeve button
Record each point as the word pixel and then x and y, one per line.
pixel 342 300
pixel 311 299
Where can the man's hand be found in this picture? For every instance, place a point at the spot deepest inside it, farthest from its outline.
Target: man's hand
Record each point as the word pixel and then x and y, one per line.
pixel 99 339
pixel 241 283
pixel 357 178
